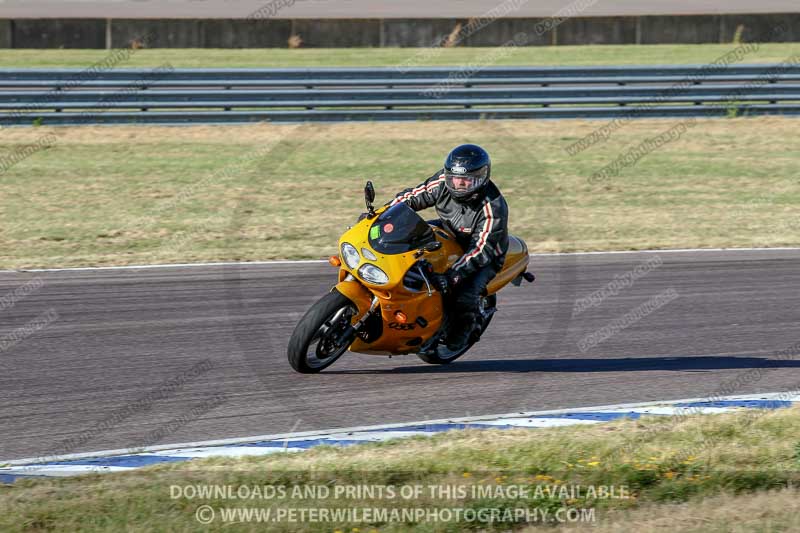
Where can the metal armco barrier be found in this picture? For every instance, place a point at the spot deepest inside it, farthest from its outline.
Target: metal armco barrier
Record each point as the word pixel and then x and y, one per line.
pixel 173 96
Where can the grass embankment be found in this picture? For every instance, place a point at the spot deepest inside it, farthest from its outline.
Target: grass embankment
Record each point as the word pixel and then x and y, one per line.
pixel 355 57
pixel 730 472
pixel 135 194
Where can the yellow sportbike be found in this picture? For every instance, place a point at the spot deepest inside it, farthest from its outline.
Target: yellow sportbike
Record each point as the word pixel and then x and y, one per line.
pixel 384 303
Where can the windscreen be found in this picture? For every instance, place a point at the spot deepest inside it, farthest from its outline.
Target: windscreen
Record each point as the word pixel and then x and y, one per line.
pixel 398 230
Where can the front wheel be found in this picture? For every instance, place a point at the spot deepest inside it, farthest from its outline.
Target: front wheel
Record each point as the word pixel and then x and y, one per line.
pixel 316 342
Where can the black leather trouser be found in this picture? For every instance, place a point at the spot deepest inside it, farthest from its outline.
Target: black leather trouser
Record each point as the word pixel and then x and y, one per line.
pixel 463 304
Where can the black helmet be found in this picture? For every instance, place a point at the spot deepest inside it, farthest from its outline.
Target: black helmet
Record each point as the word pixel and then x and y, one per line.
pixel 470 166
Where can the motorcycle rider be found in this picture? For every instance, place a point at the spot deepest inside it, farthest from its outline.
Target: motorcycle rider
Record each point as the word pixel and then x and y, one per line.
pixel 471 206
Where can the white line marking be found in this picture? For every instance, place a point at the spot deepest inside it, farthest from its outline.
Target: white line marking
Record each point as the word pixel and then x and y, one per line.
pixel 171 265
pixel 232 451
pixel 65 470
pixel 540 422
pixel 670 251
pixel 397 426
pixel 367 436
pixel 319 261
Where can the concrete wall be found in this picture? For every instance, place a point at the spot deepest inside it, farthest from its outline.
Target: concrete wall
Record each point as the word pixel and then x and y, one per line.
pixel 5 34
pixel 504 30
pixel 58 33
pixel 403 33
pixel 600 30
pixel 329 33
pixel 763 28
pixel 203 33
pixel 247 34
pixel 166 33
pixel 274 33
pixel 691 30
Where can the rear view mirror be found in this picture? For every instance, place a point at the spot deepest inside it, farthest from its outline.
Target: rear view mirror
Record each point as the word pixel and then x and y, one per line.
pixel 369 193
pixel 369 196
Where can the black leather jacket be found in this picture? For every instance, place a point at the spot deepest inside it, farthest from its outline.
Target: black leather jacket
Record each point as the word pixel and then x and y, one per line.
pixel 480 226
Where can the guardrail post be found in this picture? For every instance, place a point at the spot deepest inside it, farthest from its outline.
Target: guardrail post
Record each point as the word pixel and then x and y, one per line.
pixel 143 88
pixel 773 81
pixel 309 87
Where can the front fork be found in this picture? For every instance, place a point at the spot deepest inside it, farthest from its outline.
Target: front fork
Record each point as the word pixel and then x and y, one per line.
pixel 364 300
pixel 349 334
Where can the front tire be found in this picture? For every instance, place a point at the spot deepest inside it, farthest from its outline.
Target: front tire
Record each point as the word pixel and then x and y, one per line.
pixel 313 345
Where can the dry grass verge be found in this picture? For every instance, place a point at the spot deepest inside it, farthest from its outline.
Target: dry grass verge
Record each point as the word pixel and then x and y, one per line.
pixel 132 195
pixel 697 471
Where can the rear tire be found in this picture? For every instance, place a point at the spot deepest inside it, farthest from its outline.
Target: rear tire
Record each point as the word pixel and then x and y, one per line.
pixel 312 346
pixel 442 356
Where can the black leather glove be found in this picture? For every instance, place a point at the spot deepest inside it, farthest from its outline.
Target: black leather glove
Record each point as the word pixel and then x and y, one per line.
pixel 453 277
pixel 440 282
pixel 445 282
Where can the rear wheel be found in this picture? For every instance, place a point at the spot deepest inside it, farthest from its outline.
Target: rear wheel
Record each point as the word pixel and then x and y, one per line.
pixel 441 355
pixel 316 341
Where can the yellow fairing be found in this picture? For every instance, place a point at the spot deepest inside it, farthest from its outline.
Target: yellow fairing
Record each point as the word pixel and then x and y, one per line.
pixel 423 312
pixel 516 262
pixel 356 293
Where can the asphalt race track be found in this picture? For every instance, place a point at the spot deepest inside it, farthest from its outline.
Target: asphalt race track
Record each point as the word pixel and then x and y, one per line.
pixel 133 356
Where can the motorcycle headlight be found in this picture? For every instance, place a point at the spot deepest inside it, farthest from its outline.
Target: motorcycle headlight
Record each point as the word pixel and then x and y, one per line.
pixel 373 274
pixel 366 252
pixel 350 255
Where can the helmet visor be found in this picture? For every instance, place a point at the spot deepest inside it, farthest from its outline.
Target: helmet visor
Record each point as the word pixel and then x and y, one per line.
pixel 465 183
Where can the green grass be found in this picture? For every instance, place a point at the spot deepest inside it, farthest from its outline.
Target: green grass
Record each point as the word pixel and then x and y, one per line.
pixel 125 195
pixel 722 465
pixel 133 195
pixel 316 57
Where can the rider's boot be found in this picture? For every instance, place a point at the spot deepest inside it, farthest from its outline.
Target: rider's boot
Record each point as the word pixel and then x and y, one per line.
pixel 460 331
